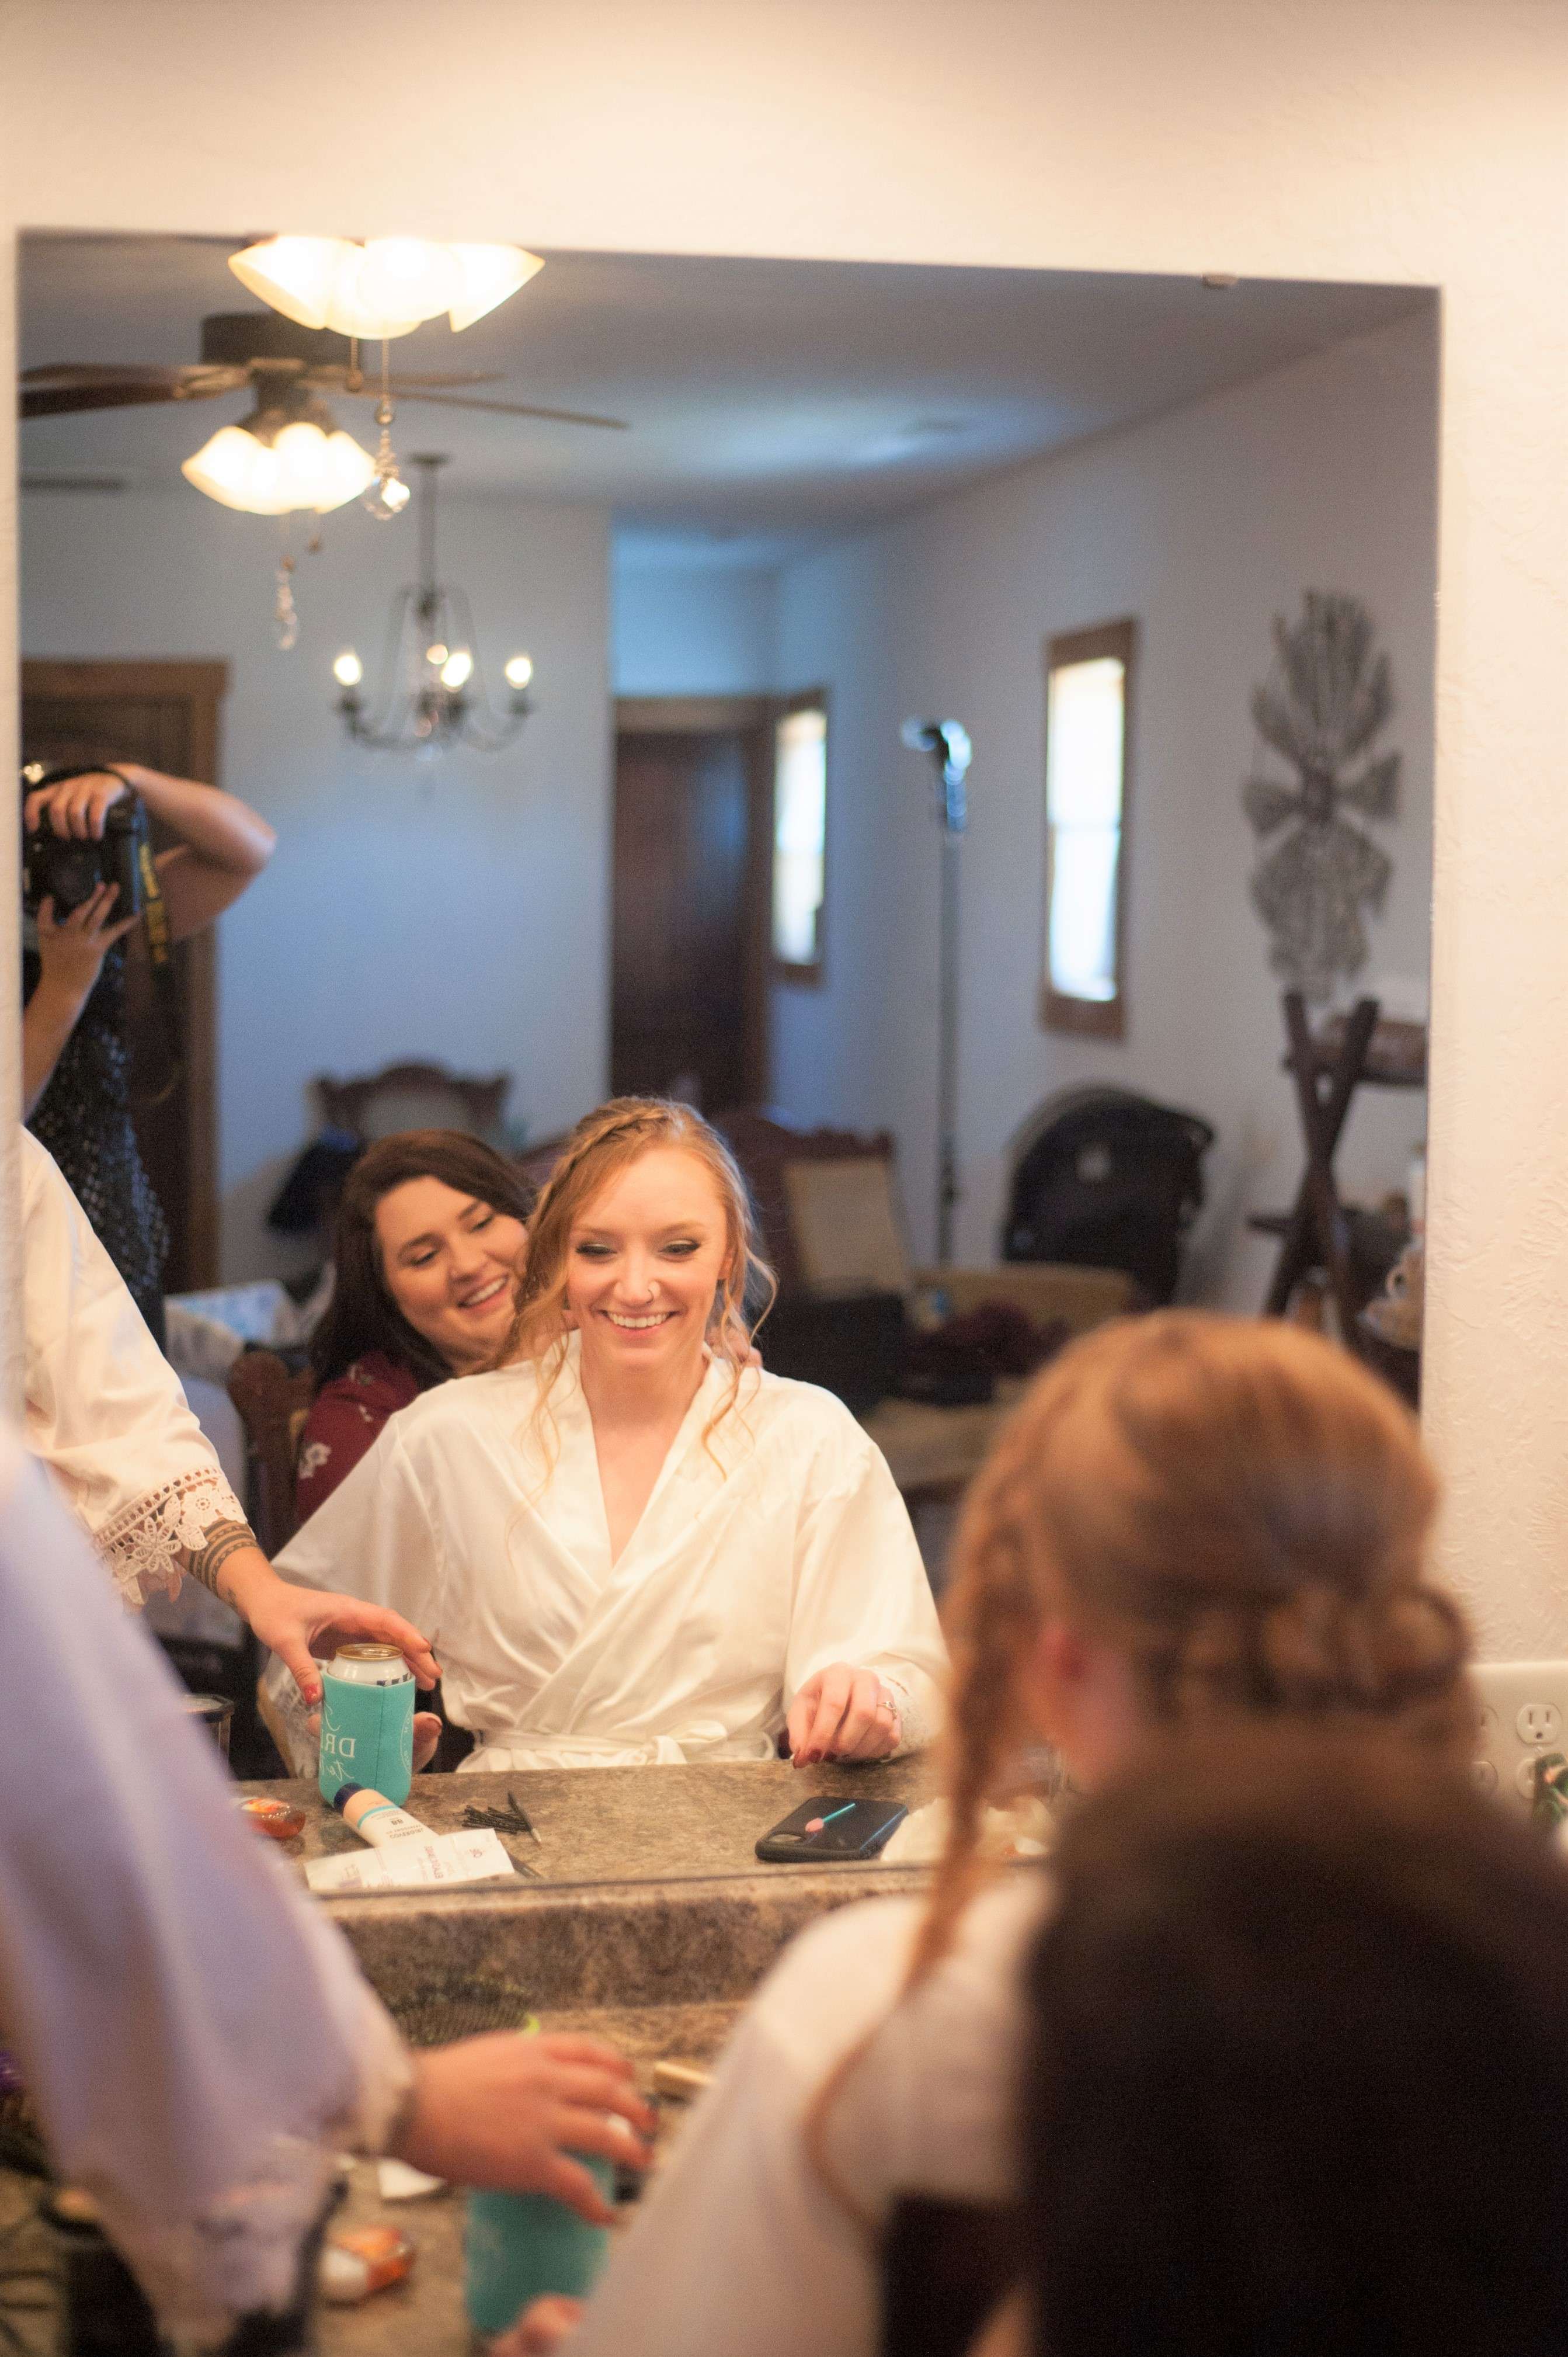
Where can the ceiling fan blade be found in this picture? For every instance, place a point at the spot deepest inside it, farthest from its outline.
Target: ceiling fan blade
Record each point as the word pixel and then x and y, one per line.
pixel 55 392
pixel 441 383
pixel 522 409
pixel 100 371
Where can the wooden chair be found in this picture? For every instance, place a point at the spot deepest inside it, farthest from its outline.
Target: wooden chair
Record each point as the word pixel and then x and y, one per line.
pixel 274 1401
pixel 414 1096
pixel 932 1452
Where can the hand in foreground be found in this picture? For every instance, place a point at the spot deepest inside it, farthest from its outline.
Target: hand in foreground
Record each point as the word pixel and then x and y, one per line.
pixel 77 806
pixel 301 1623
pixel 842 1714
pixel 541 2327
pixel 506 2112
pixel 72 948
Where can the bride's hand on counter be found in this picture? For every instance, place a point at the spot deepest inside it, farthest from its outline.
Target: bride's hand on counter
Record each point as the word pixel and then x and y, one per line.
pixel 506 2112
pixel 842 1713
pixel 302 1624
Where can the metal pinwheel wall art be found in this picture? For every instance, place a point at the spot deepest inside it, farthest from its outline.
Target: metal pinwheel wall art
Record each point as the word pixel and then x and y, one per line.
pixel 1327 697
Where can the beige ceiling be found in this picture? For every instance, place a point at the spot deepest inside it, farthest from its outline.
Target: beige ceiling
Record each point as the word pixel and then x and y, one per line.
pixel 771 403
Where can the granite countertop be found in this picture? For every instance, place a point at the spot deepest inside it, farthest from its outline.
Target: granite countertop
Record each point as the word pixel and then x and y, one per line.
pixel 647 1920
pixel 645 1888
pixel 424 2317
pixel 625 1824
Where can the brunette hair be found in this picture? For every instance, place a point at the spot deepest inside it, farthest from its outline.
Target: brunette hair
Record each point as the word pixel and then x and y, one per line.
pixel 605 1143
pixel 1297 2075
pixel 1240 1507
pixel 362 1315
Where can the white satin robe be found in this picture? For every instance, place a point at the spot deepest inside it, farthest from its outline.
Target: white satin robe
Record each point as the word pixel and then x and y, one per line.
pixel 774 1547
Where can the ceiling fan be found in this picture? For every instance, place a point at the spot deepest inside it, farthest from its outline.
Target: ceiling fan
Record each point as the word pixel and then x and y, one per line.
pixel 269 352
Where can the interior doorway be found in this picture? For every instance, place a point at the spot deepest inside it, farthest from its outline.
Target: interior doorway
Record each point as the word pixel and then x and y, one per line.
pixel 693 833
pixel 164 713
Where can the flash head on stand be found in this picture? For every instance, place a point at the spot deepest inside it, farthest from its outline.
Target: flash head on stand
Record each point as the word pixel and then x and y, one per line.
pixel 947 739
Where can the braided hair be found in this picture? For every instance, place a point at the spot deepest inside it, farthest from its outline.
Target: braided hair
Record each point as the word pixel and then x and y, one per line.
pixel 1238 1507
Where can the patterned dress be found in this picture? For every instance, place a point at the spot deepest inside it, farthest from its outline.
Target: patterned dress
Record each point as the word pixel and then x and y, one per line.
pixel 345 1420
pixel 84 1118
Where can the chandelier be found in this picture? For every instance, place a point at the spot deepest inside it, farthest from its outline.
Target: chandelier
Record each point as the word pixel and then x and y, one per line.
pixel 432 694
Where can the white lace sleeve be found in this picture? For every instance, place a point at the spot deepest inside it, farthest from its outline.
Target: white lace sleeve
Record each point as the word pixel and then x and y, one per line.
pixel 143 1543
pixel 104 1408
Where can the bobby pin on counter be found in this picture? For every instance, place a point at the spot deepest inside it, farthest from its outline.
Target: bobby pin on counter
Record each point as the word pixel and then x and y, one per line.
pixel 641 1913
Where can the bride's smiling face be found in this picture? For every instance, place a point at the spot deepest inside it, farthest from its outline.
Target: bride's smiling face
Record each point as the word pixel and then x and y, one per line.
pixel 645 1258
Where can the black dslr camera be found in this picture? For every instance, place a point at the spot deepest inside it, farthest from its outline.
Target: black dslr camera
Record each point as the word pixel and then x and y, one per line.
pixel 69 871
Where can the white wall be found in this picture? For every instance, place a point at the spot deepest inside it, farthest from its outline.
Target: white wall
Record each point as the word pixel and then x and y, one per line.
pixel 694 631
pixel 1361 139
pixel 424 908
pixel 1203 526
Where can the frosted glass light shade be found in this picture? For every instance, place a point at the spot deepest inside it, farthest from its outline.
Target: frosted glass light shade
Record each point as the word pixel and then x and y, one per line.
pixel 407 277
pixel 487 274
pixel 384 288
pixel 297 275
pixel 355 310
pixel 302 467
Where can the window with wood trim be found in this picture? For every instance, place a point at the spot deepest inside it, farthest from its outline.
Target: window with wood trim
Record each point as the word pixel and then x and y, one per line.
pixel 799 836
pixel 1088 703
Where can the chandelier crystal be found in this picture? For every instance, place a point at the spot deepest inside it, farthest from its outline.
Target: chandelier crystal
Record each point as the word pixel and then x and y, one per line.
pixel 432 694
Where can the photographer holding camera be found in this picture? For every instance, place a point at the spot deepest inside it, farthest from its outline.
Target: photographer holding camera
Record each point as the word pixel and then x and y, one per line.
pixel 92 883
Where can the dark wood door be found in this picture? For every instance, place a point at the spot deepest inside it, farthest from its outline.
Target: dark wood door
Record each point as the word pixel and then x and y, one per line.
pixel 167 715
pixel 687 999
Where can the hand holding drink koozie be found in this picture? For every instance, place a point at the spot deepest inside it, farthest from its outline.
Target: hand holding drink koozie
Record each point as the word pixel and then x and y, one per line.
pixel 367 1722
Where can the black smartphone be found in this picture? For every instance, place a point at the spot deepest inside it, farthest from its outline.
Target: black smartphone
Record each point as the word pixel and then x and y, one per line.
pixel 831 1827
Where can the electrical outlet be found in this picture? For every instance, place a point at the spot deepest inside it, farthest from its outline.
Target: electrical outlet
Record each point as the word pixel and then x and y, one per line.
pixel 1524 1712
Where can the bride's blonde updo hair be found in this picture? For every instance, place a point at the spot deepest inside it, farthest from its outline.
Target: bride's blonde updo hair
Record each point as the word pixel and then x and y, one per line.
pixel 1240 1508
pixel 604 1144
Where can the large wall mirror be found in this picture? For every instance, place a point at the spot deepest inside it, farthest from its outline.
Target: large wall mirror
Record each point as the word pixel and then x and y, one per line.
pixel 687 542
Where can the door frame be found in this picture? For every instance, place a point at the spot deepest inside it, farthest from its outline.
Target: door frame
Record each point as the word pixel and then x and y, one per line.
pixel 201 687
pixel 752 717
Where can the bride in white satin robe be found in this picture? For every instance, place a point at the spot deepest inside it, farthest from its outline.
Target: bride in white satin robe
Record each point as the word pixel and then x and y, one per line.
pixel 766 1572
pixel 775 1549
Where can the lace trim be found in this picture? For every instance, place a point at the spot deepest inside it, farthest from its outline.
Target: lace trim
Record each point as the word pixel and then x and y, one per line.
pixel 143 1543
pixel 239 2256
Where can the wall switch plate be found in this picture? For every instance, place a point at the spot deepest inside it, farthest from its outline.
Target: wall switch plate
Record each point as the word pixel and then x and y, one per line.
pixel 1524 1717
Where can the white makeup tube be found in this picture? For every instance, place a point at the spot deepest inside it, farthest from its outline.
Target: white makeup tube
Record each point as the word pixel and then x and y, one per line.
pixel 376 1819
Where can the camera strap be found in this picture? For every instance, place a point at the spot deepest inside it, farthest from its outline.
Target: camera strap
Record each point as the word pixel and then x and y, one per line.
pixel 160 953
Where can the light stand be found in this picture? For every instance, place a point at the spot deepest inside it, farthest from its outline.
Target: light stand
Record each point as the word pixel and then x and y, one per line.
pixel 947 742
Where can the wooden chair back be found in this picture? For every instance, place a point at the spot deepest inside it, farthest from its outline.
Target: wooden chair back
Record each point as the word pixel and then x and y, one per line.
pixel 414 1096
pixel 272 1401
pixel 763 1146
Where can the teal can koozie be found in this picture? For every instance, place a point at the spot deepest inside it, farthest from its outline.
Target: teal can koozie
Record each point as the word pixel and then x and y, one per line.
pixel 367 1722
pixel 519 2246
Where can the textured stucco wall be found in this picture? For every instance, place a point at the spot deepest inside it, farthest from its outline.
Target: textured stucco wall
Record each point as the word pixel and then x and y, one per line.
pixel 1307 138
